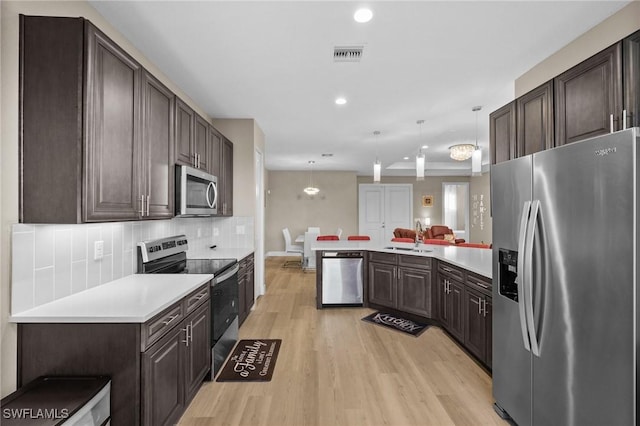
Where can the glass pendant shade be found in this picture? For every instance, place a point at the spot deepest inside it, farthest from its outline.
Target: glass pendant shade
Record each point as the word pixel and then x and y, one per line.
pixel 376 171
pixel 476 162
pixel 420 166
pixel 311 190
pixel 462 151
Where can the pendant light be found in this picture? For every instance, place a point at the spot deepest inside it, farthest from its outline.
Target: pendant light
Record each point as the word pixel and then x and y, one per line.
pixel 311 190
pixel 377 166
pixel 461 151
pixel 476 157
pixel 420 157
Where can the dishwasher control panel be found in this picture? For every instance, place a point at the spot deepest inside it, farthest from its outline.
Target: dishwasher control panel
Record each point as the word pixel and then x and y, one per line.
pixel 342 254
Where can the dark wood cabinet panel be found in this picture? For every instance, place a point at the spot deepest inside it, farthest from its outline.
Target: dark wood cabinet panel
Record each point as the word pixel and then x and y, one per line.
pixel 382 284
pixel 215 149
pixel 475 329
pixel 201 144
pixel 112 126
pixel 163 379
pixel 587 95
pixel 502 133
pixel 489 323
pixel 185 128
pixel 198 351
pixel 226 187
pixel 456 323
pixel 534 113
pixel 631 79
pixel 157 147
pixel 414 291
pixel 246 290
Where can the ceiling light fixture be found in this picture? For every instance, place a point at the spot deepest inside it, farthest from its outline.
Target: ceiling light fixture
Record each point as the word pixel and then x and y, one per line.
pixel 363 15
pixel 420 157
pixel 341 101
pixel 462 151
pixel 311 190
pixel 476 157
pixel 377 166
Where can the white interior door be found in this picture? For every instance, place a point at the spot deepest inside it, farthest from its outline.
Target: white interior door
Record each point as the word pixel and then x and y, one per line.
pixel 382 208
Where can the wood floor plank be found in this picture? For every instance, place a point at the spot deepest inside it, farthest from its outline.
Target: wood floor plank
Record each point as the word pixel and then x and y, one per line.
pixel 334 369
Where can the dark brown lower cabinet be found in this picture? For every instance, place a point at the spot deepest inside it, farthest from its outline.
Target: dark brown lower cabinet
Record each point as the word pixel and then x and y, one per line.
pixel 476 325
pixel 414 291
pixel 382 284
pixel 246 287
pixel 198 351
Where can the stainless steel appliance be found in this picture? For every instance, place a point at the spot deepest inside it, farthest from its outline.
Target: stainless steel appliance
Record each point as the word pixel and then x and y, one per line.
pixel 168 256
pixel 196 192
pixel 342 278
pixel 564 284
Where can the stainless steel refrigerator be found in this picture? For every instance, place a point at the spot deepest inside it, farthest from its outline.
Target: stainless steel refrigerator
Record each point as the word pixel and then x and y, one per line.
pixel 564 284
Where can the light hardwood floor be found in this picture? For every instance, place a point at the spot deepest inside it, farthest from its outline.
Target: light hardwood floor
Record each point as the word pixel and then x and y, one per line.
pixel 334 369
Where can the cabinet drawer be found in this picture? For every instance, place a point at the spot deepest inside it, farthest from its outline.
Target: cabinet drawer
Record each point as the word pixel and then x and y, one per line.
pixel 420 262
pixel 479 283
pixel 197 298
pixel 451 271
pixel 159 325
pixel 375 256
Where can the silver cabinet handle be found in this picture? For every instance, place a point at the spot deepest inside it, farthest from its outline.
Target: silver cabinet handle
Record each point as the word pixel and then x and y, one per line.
pixel 198 160
pixel 447 269
pixel 186 338
pixel 191 331
pixel 171 318
pixel 624 119
pixel 479 306
pixel 611 123
pixel 148 196
pixel 141 205
pixel 484 308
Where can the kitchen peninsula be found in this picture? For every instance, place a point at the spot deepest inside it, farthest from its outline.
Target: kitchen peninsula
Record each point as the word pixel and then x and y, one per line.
pixel 447 286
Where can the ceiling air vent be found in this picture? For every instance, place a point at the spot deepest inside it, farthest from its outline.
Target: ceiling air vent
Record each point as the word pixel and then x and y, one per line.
pixel 347 53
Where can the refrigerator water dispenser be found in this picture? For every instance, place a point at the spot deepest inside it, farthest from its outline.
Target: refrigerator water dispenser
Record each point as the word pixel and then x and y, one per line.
pixel 508 270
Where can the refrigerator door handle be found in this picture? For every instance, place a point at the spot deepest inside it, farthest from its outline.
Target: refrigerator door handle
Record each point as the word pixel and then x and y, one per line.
pixel 531 230
pixel 520 278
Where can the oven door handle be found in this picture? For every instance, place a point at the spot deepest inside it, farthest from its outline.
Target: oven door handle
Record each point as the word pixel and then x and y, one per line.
pixel 228 274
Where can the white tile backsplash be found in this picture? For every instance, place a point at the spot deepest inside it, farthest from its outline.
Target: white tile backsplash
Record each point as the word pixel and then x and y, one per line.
pixel 53 261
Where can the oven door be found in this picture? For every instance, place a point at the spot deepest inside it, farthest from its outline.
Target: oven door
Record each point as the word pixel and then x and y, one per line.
pixel 224 317
pixel 196 192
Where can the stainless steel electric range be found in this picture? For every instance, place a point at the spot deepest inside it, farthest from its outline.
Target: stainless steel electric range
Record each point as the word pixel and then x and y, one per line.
pixel 169 256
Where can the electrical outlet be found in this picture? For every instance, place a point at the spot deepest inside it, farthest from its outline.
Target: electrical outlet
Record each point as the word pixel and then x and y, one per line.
pixel 216 232
pixel 98 250
pixel 240 229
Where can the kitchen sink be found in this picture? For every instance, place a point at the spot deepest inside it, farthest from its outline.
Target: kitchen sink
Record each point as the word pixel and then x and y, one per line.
pixel 414 249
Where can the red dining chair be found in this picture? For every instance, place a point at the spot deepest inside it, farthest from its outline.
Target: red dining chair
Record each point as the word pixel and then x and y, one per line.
pixel 437 242
pixel 358 238
pixel 327 238
pixel 403 240
pixel 474 245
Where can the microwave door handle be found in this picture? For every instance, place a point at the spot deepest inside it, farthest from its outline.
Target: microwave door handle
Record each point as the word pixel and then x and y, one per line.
pixel 209 201
pixel 215 194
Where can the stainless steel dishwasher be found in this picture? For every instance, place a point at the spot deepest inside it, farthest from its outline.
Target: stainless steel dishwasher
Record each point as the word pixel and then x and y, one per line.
pixel 342 280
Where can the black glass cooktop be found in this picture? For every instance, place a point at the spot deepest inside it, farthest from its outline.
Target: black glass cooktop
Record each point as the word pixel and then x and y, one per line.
pixel 209 266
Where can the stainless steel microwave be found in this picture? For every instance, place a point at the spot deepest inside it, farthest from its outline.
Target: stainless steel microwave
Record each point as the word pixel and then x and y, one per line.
pixel 196 192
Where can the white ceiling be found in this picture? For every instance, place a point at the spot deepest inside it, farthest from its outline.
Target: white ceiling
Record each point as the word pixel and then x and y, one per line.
pixel 273 61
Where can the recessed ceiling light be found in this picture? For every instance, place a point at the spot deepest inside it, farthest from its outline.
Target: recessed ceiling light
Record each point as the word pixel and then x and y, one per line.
pixel 363 15
pixel 341 101
pixel 425 146
pixel 405 158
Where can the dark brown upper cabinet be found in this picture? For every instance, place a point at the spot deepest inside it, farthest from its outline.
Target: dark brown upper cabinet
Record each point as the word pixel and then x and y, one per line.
pixel 502 133
pixel 158 110
pixel 225 189
pixel 534 117
pixel 85 139
pixel 192 138
pixel 588 97
pixel 631 77
pixel 215 150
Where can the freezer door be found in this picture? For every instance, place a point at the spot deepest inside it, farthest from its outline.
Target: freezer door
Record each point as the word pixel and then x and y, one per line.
pixel 511 189
pixel 342 280
pixel 583 283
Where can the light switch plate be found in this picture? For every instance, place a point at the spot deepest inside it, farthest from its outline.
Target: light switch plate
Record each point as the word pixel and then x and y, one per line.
pixel 98 250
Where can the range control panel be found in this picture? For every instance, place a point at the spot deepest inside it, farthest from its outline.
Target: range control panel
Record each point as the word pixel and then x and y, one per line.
pixel 156 249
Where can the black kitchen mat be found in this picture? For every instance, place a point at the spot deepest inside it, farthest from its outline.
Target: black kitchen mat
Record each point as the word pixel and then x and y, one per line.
pixel 252 360
pixel 396 322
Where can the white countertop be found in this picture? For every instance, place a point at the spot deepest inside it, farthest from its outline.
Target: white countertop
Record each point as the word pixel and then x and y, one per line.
pixel 475 260
pixel 221 253
pixel 132 299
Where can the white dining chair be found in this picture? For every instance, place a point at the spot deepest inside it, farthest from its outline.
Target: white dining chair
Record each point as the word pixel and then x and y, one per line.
pixel 314 229
pixel 289 247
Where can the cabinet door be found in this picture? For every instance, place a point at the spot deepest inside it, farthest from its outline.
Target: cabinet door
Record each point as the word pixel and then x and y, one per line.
pixel 382 284
pixel 198 351
pixel 631 76
pixel 443 308
pixel 456 302
pixel 163 379
pixel 249 289
pixel 587 95
pixel 475 330
pixel 489 324
pixel 534 113
pixel 157 147
pixel 414 291
pixel 242 294
pixel 185 120
pixel 112 157
pixel 227 178
pixel 502 133
pixel 202 149
pixel 215 151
